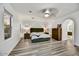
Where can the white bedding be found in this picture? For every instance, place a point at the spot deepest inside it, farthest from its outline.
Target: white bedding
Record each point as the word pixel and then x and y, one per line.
pixel 39 35
pixel 36 33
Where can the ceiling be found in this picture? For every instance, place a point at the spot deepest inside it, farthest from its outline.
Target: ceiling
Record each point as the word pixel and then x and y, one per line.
pixel 63 8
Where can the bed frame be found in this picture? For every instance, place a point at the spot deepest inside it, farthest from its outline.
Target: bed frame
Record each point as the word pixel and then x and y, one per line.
pixel 36 30
pixel 40 39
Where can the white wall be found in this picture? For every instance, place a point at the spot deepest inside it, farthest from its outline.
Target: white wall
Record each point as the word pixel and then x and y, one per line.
pixel 70 26
pixel 34 24
pixel 6 46
pixel 64 31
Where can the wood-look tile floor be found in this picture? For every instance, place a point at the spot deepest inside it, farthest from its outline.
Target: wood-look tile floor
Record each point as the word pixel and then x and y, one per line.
pixel 47 48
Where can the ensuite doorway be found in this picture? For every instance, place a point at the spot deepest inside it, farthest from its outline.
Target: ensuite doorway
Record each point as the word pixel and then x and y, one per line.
pixel 68 30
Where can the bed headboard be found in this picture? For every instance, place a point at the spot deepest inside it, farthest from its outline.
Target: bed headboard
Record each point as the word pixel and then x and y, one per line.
pixel 36 30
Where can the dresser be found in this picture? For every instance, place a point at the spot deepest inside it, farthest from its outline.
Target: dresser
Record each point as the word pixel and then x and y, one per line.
pixel 57 33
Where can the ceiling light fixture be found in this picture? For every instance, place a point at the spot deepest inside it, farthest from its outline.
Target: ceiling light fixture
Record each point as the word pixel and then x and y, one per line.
pixel 30 11
pixel 47 12
pixel 46 15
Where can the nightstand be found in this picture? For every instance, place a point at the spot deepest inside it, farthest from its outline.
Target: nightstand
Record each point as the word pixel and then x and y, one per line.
pixel 26 36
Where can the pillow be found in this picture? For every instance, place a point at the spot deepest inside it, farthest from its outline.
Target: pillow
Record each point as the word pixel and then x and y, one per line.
pixel 36 33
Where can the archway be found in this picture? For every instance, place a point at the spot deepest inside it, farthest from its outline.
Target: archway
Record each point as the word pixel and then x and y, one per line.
pixel 68 30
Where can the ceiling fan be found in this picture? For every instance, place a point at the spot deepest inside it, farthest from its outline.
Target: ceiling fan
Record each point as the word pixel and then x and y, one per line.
pixel 49 12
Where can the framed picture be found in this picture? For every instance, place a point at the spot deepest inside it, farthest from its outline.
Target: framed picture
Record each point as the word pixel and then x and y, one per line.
pixel 7 17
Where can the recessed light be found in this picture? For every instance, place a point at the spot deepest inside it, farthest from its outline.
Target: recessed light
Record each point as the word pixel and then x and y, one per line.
pixel 30 11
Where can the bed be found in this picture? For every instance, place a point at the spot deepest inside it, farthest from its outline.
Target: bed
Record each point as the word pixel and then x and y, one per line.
pixel 38 35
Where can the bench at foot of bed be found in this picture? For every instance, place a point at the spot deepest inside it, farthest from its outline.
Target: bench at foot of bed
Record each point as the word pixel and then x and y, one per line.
pixel 40 40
